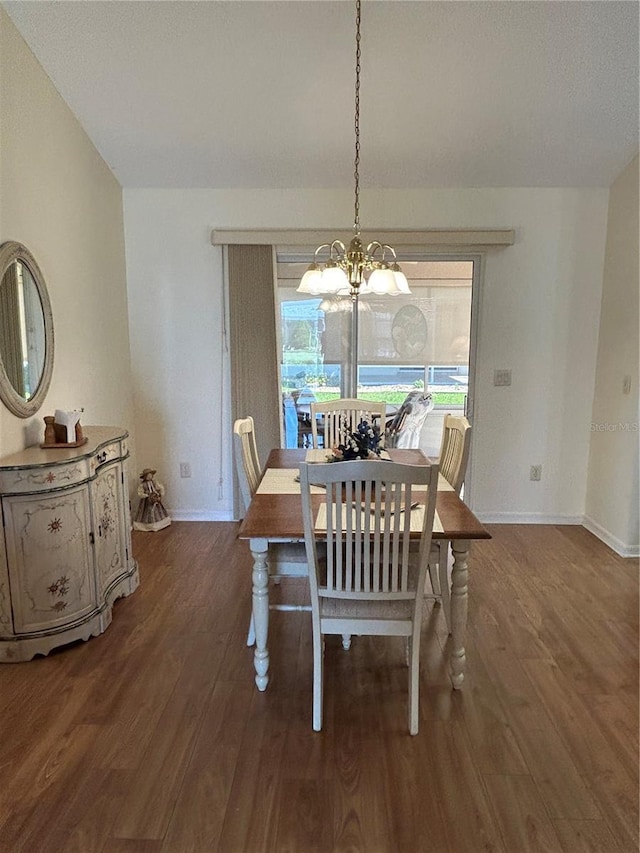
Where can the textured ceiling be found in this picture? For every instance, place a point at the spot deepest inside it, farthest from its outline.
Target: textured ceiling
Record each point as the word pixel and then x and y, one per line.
pixel 260 94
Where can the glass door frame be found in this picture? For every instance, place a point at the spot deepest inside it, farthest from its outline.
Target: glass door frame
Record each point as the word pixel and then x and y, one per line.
pixel 414 253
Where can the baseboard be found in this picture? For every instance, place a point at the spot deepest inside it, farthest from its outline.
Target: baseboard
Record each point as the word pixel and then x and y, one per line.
pixel 526 518
pixel 201 515
pixel 612 541
pixel 540 518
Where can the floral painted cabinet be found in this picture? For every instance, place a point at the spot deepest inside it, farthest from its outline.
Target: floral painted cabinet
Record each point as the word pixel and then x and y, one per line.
pixel 65 552
pixel 50 559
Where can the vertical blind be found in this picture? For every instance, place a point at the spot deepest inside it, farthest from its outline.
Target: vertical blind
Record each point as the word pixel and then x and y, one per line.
pixel 255 389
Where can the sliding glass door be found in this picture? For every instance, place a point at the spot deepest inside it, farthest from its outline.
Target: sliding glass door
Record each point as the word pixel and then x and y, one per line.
pixel 417 341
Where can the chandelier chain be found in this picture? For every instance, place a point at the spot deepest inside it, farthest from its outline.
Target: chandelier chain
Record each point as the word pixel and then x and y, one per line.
pixel 356 172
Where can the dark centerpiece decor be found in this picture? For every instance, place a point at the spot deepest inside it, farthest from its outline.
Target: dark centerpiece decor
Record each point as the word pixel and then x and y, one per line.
pixel 363 442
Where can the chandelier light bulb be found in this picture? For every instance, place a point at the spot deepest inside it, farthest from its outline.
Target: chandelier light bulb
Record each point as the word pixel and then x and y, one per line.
pixel 382 281
pixel 401 280
pixel 334 279
pixel 311 280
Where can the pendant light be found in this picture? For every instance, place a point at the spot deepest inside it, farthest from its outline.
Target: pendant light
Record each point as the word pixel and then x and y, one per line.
pixel 343 269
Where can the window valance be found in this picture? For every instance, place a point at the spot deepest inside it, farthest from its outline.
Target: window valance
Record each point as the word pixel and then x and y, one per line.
pixel 434 239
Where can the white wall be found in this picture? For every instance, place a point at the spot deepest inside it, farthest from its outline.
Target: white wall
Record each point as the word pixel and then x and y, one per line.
pixel 539 317
pixel 58 198
pixel 539 314
pixel 612 494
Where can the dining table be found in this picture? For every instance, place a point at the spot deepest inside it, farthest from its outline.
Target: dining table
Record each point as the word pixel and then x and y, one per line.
pixel 275 515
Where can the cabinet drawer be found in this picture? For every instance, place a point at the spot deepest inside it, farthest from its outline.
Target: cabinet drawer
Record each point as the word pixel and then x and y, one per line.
pixel 43 478
pixel 107 453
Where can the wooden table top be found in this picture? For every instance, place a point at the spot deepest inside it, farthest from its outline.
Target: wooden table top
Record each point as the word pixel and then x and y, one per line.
pixel 279 516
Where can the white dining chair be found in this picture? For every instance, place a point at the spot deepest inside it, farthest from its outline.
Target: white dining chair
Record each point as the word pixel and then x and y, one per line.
pixel 368 581
pixel 246 456
pixel 331 419
pixel 286 559
pixel 453 459
pixel 454 450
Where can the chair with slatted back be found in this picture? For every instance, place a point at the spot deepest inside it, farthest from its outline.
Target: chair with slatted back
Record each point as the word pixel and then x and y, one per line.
pixel 368 581
pixel 454 455
pixel 247 462
pixel 286 559
pixel 454 450
pixel 331 418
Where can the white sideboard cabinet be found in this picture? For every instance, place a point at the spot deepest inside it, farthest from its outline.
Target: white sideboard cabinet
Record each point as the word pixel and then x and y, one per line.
pixel 65 549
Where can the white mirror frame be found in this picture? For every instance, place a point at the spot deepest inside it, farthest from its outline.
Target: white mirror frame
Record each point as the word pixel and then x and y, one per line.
pixel 10 252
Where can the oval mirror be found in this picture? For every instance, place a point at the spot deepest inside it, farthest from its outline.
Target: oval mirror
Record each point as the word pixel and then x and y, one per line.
pixel 26 331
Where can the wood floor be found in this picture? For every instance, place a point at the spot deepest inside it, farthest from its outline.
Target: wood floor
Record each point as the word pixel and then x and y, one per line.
pixel 153 739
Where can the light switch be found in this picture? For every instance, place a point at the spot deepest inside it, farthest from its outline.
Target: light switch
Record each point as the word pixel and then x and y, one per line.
pixel 502 377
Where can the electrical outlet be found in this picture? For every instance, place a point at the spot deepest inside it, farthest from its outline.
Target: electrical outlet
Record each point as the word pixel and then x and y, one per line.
pixel 185 469
pixel 626 384
pixel 535 472
pixel 502 377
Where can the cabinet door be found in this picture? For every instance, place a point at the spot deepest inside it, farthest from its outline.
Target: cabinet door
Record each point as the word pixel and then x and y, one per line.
pixel 6 622
pixel 50 558
pixel 108 525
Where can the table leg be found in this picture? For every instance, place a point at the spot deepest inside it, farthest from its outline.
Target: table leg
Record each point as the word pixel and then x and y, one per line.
pixel 459 603
pixel 259 551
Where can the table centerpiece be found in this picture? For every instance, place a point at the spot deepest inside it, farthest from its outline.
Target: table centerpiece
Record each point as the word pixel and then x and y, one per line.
pixel 363 442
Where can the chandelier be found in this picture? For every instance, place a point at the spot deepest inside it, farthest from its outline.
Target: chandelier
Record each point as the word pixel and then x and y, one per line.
pixel 343 269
